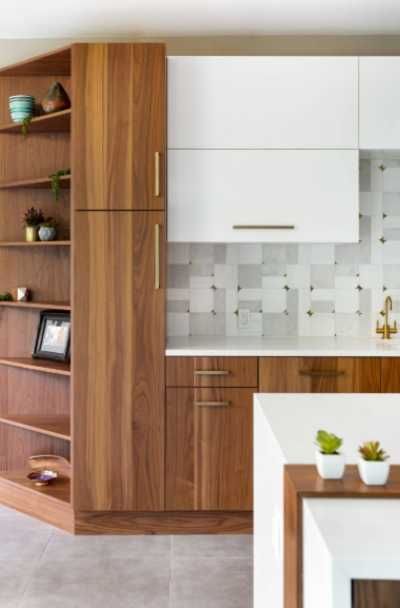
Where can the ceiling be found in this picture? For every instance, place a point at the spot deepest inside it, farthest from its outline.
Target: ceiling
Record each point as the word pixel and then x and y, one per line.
pixel 157 18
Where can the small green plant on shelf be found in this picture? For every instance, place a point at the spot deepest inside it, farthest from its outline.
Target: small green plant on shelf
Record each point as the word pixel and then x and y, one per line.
pixel 371 451
pixel 6 297
pixel 56 181
pixel 328 443
pixel 32 220
pixel 25 125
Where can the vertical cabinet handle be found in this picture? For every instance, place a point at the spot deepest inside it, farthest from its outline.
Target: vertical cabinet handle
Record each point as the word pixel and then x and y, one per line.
pixel 157 256
pixel 157 156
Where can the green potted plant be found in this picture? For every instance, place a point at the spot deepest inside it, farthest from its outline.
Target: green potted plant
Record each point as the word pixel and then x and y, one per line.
pixel 48 230
pixel 373 465
pixel 330 462
pixel 32 220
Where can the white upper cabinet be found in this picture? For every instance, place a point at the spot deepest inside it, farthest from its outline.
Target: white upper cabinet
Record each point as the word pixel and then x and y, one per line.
pixel 263 196
pixel 379 103
pixel 262 102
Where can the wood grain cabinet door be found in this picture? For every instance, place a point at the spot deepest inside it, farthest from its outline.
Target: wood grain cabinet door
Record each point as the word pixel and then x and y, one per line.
pixel 209 449
pixel 320 375
pixel 118 124
pixel 390 374
pixel 118 361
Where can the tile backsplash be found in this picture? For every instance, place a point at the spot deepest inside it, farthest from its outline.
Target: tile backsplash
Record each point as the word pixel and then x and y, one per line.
pixel 290 290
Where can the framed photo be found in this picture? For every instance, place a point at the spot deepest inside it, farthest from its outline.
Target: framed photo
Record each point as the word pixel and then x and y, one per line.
pixel 53 336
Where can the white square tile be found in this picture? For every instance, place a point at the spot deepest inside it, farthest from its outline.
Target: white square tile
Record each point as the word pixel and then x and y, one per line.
pixel 201 300
pixel 199 282
pixel 231 300
pixel 178 324
pixel 225 275
pixel 391 252
pixel 323 254
pixel 255 325
pixel 178 294
pixel 274 282
pixel 250 294
pixel 322 295
pixel 298 276
pixel 391 179
pixel 346 300
pixel 250 253
pixel 370 276
pixel 232 253
pixel 322 325
pixel 343 282
pixel 371 203
pixel 274 300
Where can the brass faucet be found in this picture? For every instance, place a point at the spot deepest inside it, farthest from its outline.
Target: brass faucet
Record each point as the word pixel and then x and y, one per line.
pixel 386 330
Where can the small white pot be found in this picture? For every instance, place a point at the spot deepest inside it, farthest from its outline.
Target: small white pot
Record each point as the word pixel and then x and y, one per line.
pixel 373 473
pixel 330 466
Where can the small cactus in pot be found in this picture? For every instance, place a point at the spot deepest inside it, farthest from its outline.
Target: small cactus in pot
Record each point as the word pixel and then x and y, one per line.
pixel 372 465
pixel 330 462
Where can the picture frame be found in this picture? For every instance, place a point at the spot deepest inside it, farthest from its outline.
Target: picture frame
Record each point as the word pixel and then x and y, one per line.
pixel 53 336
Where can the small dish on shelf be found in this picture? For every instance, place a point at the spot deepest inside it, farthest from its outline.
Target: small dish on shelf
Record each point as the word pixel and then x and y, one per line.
pixel 43 477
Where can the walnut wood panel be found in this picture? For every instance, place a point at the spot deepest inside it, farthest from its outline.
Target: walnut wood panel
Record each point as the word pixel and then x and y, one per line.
pixel 302 481
pixel 118 125
pixel 164 523
pixel 390 369
pixel 50 504
pixel 235 371
pixel 320 375
pixel 53 62
pixel 209 449
pixel 53 426
pixel 375 594
pixel 58 122
pixel 118 362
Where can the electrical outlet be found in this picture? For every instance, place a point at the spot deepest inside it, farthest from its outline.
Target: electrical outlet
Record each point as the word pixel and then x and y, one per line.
pixel 244 318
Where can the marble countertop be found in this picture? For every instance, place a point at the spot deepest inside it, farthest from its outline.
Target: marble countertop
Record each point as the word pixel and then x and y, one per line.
pixel 208 346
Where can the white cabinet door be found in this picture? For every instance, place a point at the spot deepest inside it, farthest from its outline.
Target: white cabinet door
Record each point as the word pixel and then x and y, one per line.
pixel 380 103
pixel 262 102
pixel 312 193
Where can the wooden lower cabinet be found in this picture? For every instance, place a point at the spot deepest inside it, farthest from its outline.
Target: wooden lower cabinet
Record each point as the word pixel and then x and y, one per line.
pixel 390 378
pixel 118 362
pixel 376 594
pixel 320 375
pixel 209 449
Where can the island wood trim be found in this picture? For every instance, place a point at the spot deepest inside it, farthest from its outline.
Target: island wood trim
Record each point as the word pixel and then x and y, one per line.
pixel 303 481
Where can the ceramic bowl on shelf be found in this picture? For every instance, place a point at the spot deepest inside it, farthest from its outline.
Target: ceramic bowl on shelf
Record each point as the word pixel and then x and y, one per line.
pixel 21 107
pixel 43 477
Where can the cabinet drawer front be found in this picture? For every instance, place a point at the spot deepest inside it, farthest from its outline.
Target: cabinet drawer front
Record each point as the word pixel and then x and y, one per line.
pixel 209 449
pixel 320 375
pixel 212 371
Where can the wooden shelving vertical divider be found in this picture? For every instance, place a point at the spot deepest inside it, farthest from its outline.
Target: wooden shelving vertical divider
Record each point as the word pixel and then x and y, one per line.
pixel 35 409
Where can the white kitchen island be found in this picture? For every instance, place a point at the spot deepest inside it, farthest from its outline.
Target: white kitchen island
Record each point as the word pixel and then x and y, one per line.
pixel 284 429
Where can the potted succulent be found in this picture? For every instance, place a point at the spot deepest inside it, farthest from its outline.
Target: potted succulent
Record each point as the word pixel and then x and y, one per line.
pixel 32 220
pixel 373 465
pixel 48 230
pixel 330 462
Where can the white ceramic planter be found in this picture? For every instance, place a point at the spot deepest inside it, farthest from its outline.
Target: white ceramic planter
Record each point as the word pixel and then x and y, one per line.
pixel 373 473
pixel 330 466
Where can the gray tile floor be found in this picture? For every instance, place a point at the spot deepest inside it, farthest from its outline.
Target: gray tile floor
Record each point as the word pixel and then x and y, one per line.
pixel 41 567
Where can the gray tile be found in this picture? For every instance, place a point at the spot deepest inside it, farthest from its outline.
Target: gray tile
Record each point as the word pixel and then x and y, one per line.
pixel 202 324
pixel 323 276
pixel 211 582
pixel 202 253
pixel 391 276
pixel 279 325
pixel 14 578
pixel 365 176
pixel 249 276
pixel 178 276
pixel 209 545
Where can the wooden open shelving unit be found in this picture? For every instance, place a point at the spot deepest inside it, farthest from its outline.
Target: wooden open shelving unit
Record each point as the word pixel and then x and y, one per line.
pixel 35 416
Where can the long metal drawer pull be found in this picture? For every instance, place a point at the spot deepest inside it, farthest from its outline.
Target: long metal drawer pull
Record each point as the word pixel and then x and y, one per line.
pixel 263 227
pixel 211 372
pixel 212 403
pixel 323 372
pixel 157 256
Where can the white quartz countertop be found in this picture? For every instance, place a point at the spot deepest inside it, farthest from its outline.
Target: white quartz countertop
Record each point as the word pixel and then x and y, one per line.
pixel 214 346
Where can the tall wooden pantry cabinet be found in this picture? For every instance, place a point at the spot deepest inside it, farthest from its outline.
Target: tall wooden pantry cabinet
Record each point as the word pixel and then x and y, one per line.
pixel 118 131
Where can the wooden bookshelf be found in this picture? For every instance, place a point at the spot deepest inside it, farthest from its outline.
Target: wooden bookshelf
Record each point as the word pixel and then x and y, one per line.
pixel 35 183
pixel 53 426
pixel 37 365
pixel 37 305
pixel 58 122
pixel 35 243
